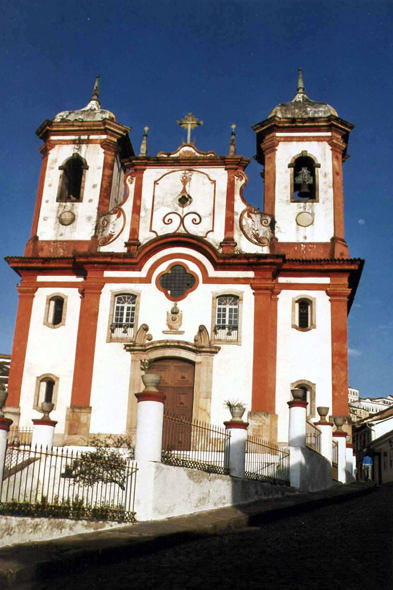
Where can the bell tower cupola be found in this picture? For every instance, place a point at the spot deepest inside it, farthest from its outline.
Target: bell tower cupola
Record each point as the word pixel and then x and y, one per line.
pixel 302 146
pixel 86 153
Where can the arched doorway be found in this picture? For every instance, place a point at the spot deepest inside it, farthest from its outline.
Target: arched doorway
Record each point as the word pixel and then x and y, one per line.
pixel 177 382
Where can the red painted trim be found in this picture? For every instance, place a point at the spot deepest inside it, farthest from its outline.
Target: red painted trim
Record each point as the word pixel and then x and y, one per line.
pixel 19 347
pixel 136 207
pixel 110 151
pixel 229 244
pixel 236 424
pixel 167 271
pixel 326 423
pixel 86 341
pixel 262 398
pixel 150 397
pixel 5 423
pixel 270 178
pixel 297 403
pixel 339 331
pixel 340 434
pixel 349 445
pixel 41 422
pixel 338 190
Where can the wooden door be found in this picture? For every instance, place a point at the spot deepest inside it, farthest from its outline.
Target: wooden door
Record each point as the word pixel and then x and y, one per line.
pixel 177 382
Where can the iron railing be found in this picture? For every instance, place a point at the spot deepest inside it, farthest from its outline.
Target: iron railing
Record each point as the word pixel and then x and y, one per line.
pixel 313 437
pixel 266 461
pixel 334 460
pixel 19 436
pixel 226 333
pixel 195 444
pixel 68 484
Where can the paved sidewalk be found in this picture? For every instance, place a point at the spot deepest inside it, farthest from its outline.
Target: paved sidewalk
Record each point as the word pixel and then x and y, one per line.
pixel 23 565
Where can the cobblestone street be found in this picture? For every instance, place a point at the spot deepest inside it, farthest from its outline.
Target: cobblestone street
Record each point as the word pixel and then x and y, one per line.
pixel 346 545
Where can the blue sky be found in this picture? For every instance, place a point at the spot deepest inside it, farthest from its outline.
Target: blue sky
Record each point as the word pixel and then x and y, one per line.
pixel 228 62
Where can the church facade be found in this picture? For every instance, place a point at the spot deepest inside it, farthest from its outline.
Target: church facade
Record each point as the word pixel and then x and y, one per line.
pixel 135 257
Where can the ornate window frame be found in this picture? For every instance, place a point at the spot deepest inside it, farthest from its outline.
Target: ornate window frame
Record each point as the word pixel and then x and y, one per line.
pixel 216 295
pixel 295 312
pixel 291 166
pixel 39 393
pixel 85 167
pixel 49 321
pixel 311 395
pixel 167 271
pixel 114 294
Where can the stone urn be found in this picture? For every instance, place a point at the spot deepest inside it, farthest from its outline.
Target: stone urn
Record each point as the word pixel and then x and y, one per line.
pixel 47 407
pixel 339 421
pixel 323 412
pixel 237 412
pixel 151 381
pixel 299 393
pixel 3 397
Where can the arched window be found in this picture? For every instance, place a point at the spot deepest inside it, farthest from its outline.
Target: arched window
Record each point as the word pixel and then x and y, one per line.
pixel 310 389
pixel 46 390
pixel 123 316
pixel 304 178
pixel 303 313
pixel 72 178
pixel 55 310
pixel 226 321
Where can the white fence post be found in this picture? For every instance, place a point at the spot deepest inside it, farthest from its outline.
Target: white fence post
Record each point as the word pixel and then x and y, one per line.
pixel 5 424
pixel 43 433
pixel 349 466
pixel 326 433
pixel 340 436
pixel 237 447
pixel 297 422
pixel 149 424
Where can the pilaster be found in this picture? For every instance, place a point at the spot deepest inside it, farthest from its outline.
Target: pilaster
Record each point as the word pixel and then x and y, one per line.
pixel 133 242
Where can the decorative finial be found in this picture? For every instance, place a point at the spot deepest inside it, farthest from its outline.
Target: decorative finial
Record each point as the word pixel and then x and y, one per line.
pixel 232 143
pixel 300 85
pixel 189 122
pixel 143 151
pixel 96 89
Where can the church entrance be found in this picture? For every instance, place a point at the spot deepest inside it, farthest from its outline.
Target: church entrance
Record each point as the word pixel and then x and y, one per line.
pixel 177 383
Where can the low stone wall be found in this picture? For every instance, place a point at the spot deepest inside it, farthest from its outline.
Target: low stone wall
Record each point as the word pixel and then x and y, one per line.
pixel 19 529
pixel 310 471
pixel 164 491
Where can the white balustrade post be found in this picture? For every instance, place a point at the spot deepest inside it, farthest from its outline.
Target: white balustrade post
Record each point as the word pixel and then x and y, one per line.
pixel 339 436
pixel 237 447
pixel 326 433
pixel 297 423
pixel 5 424
pixel 43 433
pixel 148 444
pixel 349 463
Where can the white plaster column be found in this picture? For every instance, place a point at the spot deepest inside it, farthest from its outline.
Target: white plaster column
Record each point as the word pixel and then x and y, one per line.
pixel 340 437
pixel 43 433
pixel 237 447
pixel 148 444
pixel 297 423
pixel 5 424
pixel 326 429
pixel 349 463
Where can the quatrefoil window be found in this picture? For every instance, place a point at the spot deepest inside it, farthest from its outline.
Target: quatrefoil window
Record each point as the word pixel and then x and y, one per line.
pixel 177 282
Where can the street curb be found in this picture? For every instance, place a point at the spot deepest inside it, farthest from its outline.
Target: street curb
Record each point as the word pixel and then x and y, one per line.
pixel 48 560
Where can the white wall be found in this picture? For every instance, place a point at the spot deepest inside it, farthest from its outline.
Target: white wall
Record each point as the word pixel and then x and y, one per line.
pixel 83 227
pixel 287 229
pixel 302 355
pixel 50 350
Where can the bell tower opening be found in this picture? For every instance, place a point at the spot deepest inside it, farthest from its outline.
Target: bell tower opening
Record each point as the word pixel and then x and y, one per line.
pixel 304 180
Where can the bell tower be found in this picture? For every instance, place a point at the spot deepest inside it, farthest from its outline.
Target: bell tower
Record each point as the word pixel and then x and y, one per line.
pixel 85 155
pixel 302 146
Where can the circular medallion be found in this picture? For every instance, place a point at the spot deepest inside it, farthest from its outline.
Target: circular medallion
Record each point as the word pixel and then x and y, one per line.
pixel 304 219
pixel 66 218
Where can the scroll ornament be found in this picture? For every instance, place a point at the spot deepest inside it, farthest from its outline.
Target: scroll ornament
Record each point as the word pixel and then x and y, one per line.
pixel 256 226
pixel 110 226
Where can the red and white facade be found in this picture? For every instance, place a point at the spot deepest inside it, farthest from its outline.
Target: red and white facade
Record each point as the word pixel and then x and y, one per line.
pixel 163 258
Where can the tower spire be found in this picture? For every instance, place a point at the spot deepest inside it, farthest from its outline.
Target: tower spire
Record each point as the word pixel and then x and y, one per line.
pixel 143 150
pixel 232 143
pixel 300 84
pixel 96 89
